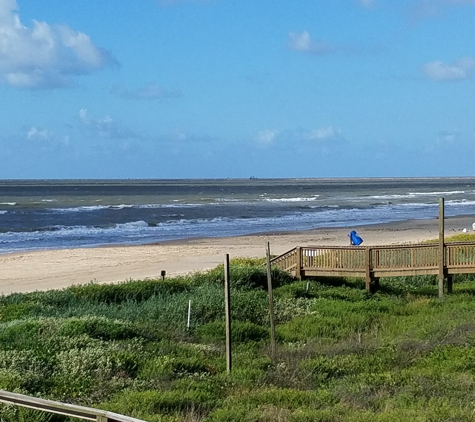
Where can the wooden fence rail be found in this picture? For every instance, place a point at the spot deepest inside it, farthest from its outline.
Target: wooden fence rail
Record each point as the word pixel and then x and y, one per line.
pixel 374 262
pixel 50 406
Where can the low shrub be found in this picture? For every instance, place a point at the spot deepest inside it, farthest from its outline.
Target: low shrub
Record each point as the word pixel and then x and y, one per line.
pixel 136 403
pixel 170 367
pixel 241 332
pixel 23 310
pixel 137 291
pixel 244 274
pixel 98 327
pixel 23 334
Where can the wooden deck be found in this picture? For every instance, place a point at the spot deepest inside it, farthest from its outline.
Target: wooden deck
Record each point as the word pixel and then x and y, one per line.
pixel 374 262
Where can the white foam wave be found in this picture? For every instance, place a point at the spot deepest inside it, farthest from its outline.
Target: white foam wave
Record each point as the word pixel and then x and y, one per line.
pixel 133 225
pixel 120 207
pixel 297 199
pixel 10 204
pixel 85 208
pixel 3 212
pixel 417 194
pixel 92 208
pixel 313 207
pixel 158 206
pixel 459 202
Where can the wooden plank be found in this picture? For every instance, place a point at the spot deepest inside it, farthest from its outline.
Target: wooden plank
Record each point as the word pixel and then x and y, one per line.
pixel 441 257
pixel 271 304
pixel 404 272
pixel 461 270
pixel 368 269
pixel 298 273
pixel 66 409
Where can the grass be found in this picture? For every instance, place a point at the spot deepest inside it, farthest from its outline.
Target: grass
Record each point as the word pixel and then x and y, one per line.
pixel 342 354
pixel 459 237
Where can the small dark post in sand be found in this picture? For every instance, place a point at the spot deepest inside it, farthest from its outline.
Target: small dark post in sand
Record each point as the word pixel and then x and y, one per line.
pixel 227 309
pixel 163 273
pixel 271 304
pixel 441 249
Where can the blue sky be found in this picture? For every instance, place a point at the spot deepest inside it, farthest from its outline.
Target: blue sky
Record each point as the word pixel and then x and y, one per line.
pixel 225 88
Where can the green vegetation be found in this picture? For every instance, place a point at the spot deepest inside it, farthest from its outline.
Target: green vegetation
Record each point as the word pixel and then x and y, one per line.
pixel 342 354
pixel 459 237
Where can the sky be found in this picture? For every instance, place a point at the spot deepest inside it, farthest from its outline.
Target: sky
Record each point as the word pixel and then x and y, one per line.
pixel 236 89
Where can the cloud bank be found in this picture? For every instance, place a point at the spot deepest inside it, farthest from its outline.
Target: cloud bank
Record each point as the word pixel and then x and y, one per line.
pixel 44 56
pixel 301 41
pixel 106 127
pixel 462 69
pixel 320 136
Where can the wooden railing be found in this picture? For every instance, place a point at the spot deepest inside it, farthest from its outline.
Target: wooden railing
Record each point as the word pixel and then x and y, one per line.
pixel 50 406
pixel 287 261
pixel 379 261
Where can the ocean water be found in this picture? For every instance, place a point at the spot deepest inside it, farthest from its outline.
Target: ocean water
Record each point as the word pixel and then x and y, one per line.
pixel 45 214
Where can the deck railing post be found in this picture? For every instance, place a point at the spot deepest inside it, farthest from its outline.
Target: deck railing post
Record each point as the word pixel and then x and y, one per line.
pixel 101 418
pixel 450 284
pixel 368 269
pixel 298 270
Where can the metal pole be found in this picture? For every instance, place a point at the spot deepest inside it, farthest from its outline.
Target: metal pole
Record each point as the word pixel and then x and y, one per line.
pixel 227 308
pixel 271 304
pixel 189 315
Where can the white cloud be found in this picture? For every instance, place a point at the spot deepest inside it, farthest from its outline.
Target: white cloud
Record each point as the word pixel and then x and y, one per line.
pixel 267 136
pixel 43 56
pixel 448 137
pixel 301 41
pixel 148 92
pixel 322 136
pixel 460 70
pixel 35 133
pixel 106 127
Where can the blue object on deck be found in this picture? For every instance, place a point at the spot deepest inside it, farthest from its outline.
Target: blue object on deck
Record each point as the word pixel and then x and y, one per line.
pixel 355 239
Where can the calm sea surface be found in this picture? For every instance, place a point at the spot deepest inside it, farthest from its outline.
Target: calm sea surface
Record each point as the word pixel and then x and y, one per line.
pixel 46 214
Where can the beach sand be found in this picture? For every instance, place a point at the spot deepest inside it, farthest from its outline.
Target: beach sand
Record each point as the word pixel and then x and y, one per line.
pixel 56 269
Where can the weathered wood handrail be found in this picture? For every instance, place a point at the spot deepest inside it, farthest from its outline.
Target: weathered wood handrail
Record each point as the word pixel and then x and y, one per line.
pixel 51 406
pixel 373 262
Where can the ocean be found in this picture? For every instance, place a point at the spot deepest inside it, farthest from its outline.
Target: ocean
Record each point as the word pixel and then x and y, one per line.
pixel 54 214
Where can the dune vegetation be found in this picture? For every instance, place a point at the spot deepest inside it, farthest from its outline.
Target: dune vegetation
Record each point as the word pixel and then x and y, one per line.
pixel 400 354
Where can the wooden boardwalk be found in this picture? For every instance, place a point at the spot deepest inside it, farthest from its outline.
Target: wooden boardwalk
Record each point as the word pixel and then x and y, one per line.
pixel 374 262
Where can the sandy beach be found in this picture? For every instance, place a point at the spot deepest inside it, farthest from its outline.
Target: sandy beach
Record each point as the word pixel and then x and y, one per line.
pixel 56 269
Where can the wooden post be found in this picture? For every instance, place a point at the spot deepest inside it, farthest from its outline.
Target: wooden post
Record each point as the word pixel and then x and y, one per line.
pixel 368 269
pixel 227 300
pixel 441 257
pixel 101 418
pixel 450 284
pixel 376 284
pixel 298 270
pixel 271 304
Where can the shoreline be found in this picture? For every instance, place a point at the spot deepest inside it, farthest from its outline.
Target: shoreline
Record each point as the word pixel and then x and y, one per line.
pixel 59 268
